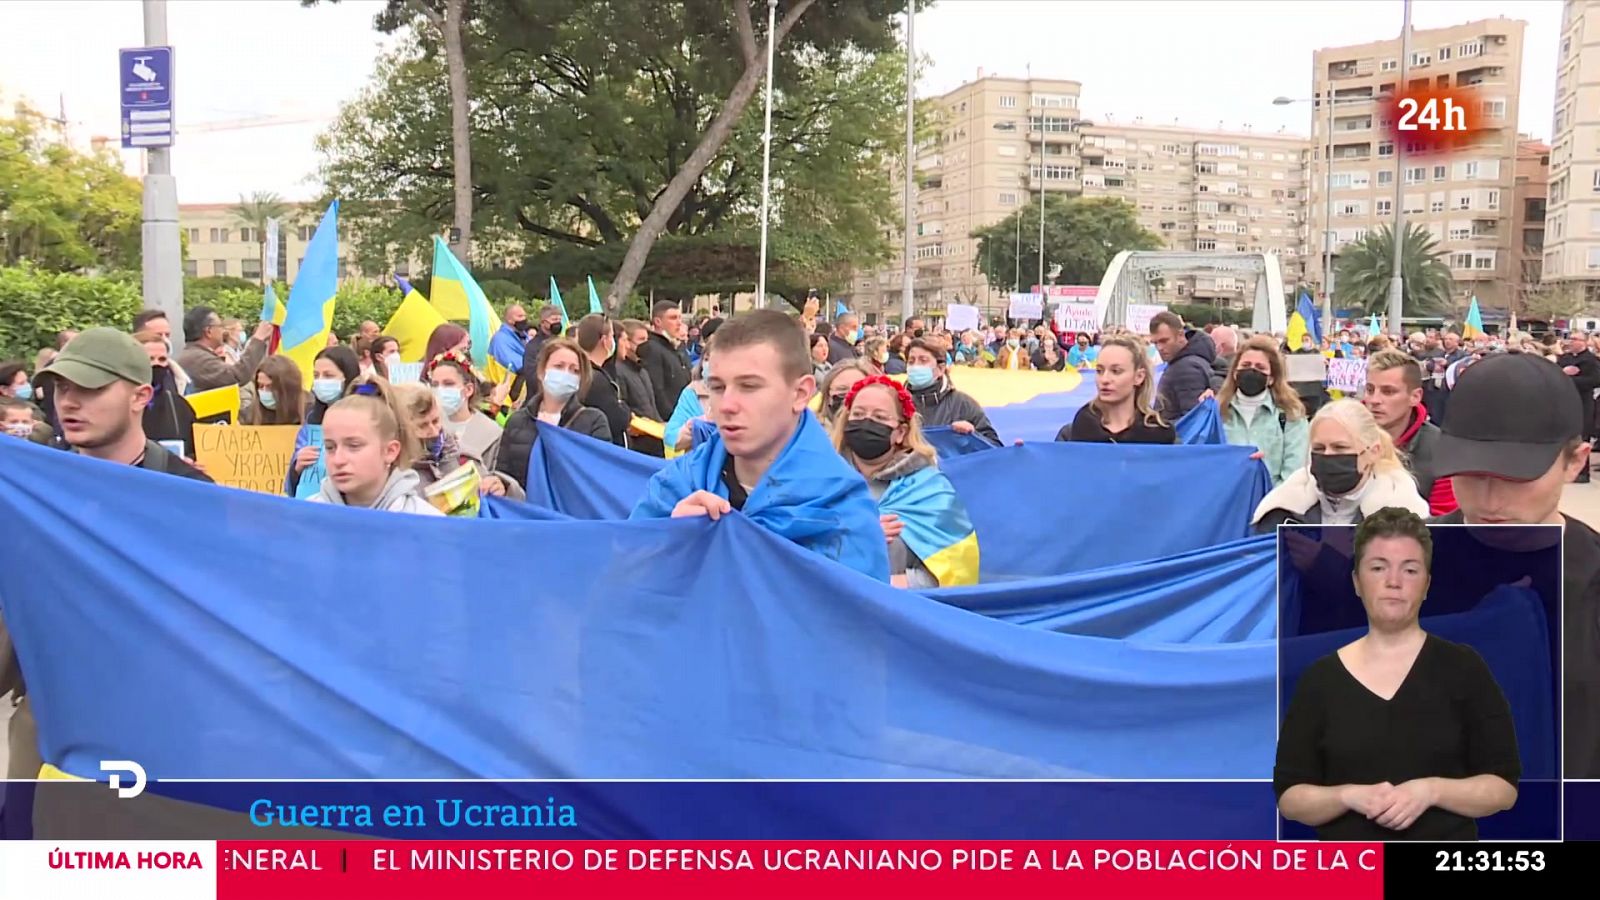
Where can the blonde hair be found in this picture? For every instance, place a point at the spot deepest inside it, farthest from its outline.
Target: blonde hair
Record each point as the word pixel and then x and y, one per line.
pixel 1283 396
pixel 1144 394
pixel 388 415
pixel 1358 421
pixel 915 440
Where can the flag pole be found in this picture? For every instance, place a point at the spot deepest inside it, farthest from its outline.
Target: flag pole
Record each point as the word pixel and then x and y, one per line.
pixel 766 154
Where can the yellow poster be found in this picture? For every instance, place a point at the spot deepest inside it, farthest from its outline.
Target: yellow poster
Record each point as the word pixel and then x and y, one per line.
pixel 253 457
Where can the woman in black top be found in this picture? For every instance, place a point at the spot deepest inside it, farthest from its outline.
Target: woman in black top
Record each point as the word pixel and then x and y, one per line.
pixel 1121 412
pixel 1399 735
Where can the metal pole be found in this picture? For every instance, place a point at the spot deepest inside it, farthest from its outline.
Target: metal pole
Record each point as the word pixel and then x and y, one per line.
pixel 1396 277
pixel 1016 279
pixel 766 155
pixel 1327 216
pixel 1042 157
pixel 908 287
pixel 161 251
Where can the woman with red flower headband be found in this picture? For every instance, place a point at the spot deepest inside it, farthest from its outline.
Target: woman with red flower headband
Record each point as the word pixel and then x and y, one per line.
pixel 931 539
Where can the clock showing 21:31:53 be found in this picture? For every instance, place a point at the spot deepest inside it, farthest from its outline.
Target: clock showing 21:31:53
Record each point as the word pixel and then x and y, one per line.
pixel 1489 861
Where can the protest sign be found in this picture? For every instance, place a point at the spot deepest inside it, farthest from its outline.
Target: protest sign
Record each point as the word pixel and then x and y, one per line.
pixel 1077 317
pixel 405 373
pixel 1306 367
pixel 959 318
pixel 1348 375
pixel 1027 306
pixel 1139 316
pixel 253 457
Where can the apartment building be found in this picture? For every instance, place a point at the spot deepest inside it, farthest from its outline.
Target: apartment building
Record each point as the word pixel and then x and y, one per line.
pixel 219 245
pixel 1463 197
pixel 1206 191
pixel 1003 140
pixel 1529 198
pixel 1572 220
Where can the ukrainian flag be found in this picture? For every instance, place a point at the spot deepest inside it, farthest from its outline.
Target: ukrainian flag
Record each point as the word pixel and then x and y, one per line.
pixel 272 311
pixel 413 322
pixel 1473 327
pixel 1303 322
pixel 937 527
pixel 555 297
pixel 595 306
pixel 308 316
pixel 457 296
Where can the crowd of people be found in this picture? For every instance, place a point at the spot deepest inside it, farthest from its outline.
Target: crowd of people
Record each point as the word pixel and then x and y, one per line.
pixel 822 425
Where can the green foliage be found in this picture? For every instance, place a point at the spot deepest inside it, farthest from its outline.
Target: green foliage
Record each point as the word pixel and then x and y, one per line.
pixel 1200 314
pixel 35 304
pixel 1081 234
pixel 62 210
pixel 500 291
pixel 1362 273
pixel 583 111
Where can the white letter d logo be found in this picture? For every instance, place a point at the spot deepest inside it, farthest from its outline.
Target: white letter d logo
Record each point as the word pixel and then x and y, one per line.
pixel 114 766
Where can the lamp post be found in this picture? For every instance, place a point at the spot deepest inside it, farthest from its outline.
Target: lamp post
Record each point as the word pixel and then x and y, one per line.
pixel 907 284
pixel 1327 195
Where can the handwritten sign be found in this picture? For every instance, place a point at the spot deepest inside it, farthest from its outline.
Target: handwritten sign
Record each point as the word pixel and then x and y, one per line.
pixel 253 457
pixel 1027 306
pixel 1077 317
pixel 960 317
pixel 1348 375
pixel 1139 316
pixel 405 373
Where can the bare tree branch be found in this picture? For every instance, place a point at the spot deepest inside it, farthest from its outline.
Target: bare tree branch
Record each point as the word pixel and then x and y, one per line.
pixel 747 35
pixel 434 17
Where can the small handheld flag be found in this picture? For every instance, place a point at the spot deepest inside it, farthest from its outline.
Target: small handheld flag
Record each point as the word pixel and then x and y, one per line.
pixel 1473 327
pixel 555 297
pixel 595 306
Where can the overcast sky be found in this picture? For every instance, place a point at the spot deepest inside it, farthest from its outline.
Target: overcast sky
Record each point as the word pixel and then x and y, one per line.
pixel 1200 62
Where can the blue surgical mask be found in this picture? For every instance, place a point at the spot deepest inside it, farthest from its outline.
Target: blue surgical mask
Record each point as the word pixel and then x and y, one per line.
pixel 24 391
pixel 449 399
pixel 919 377
pixel 327 389
pixel 560 384
pixel 436 447
pixel 268 399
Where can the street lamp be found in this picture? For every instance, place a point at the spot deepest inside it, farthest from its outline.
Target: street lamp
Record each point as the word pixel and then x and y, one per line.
pixel 1327 212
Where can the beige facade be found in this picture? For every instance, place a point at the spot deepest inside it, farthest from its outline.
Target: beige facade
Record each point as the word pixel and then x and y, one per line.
pixel 1002 140
pixel 1463 197
pixel 1529 199
pixel 1572 221
pixel 219 245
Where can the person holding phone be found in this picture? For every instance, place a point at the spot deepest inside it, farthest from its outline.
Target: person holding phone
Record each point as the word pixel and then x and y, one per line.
pixel 1398 735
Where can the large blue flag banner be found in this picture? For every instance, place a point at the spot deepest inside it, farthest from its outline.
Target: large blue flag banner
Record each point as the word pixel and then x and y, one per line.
pixel 651 649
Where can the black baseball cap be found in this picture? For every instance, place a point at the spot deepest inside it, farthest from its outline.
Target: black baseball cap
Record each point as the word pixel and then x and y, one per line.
pixel 1510 415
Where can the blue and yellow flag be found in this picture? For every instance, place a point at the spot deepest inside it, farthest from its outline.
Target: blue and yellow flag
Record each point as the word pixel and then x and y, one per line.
pixel 1303 321
pixel 555 297
pixel 457 296
pixel 1473 326
pixel 308 316
pixel 1373 328
pixel 595 306
pixel 272 309
pixel 937 527
pixel 413 322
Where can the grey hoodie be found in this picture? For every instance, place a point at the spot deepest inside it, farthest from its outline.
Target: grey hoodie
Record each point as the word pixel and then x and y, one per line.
pixel 402 493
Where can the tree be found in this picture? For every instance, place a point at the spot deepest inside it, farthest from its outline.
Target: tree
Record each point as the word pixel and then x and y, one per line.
pixel 597 122
pixel 1552 301
pixel 254 212
pixel 1361 276
pixel 1082 235
pixel 448 18
pixel 60 209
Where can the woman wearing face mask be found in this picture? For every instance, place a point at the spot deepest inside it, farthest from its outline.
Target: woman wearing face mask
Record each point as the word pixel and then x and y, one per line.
pixel 561 373
pixel 1013 355
pixel 368 446
pixel 14 381
pixel 367 354
pixel 438 451
pixel 1261 409
pixel 931 540
pixel 332 373
pixel 928 378
pixel 836 384
pixel 819 356
pixel 1354 472
pixel 449 336
pixel 457 389
pixel 1398 735
pixel 875 351
pixel 1121 412
pixel 280 393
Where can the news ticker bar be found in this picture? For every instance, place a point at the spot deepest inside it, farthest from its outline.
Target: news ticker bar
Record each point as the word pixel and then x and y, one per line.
pixel 762 810
pixel 397 870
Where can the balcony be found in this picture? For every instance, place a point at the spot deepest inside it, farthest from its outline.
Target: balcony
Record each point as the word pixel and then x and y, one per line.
pixel 1350 68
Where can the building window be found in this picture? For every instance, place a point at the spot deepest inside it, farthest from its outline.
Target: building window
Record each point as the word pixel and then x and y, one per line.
pixel 219 235
pixel 1444 53
pixel 1385 208
pixel 1464 200
pixel 1492 199
pixel 306 231
pixel 1483 260
pixel 1469 170
pixel 1205 245
pixel 194 235
pixel 1464 260
pixel 1416 174
pixel 1436 206
pixel 191 267
pixel 1352 209
pixel 1440 173
pixel 1389 65
pixel 1494 109
pixel 1597 179
pixel 1386 148
pixel 1008 101
pixel 1472 48
pixel 1339 180
pixel 1594 257
pixel 1385 177
pixel 1421 59
pixel 219 267
pixel 246 236
pixel 1008 199
pixel 250 268
pixel 1460 231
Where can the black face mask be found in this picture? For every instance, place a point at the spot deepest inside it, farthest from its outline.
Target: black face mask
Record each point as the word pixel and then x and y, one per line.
pixel 1336 474
pixel 1250 382
pixel 521 327
pixel 553 329
pixel 867 439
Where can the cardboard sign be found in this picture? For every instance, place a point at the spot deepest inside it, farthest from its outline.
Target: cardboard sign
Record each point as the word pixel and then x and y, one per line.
pixel 1077 317
pixel 1027 306
pixel 1348 375
pixel 253 457
pixel 1139 316
pixel 959 318
pixel 1306 367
